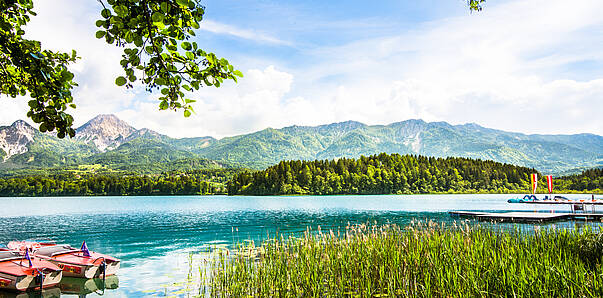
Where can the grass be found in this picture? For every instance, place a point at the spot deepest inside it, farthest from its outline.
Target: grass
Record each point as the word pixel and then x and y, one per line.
pixel 421 260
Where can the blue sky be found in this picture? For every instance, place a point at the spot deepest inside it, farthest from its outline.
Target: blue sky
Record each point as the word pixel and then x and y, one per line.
pixel 532 66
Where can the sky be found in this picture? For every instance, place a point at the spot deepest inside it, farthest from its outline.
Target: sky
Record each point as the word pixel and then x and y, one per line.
pixel 530 66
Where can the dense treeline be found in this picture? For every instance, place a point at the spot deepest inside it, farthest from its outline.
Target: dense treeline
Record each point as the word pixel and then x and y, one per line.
pixel 377 174
pixel 196 182
pixel 385 174
pixel 589 180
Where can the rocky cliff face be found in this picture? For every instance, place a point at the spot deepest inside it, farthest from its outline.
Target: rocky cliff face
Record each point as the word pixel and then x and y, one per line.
pixel 106 132
pixel 15 138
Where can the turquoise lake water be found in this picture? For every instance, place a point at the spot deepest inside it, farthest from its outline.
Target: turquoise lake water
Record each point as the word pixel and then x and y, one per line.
pixel 153 236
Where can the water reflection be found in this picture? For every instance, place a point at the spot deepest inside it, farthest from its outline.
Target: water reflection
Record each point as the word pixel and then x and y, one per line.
pixel 71 285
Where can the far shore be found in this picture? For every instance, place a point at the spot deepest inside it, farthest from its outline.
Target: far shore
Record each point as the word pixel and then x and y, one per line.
pixel 596 192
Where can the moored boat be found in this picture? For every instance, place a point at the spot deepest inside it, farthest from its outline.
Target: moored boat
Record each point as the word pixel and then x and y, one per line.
pixel 22 272
pixel 74 262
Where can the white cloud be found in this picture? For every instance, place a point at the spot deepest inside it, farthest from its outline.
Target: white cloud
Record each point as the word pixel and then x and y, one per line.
pixel 499 68
pixel 253 104
pixel 13 109
pixel 219 28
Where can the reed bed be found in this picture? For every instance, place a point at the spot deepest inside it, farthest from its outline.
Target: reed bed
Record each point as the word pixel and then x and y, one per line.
pixel 421 260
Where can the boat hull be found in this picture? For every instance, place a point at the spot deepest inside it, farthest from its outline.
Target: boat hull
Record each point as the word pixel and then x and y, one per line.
pixel 26 282
pixel 86 271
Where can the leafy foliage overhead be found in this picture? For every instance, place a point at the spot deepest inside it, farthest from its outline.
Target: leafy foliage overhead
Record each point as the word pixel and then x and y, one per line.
pixel 27 68
pixel 155 36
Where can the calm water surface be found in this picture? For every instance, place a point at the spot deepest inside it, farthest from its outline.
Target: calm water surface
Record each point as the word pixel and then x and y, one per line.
pixel 153 236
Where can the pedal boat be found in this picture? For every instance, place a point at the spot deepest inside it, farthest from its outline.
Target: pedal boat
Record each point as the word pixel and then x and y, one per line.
pixel 21 272
pixel 74 262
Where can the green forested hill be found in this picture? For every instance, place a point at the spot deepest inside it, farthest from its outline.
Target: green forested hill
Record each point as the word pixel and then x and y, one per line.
pixel 110 142
pixel 402 174
pixel 550 154
pixel 48 151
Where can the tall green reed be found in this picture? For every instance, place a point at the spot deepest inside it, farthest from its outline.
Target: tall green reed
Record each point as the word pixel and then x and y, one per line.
pixel 424 259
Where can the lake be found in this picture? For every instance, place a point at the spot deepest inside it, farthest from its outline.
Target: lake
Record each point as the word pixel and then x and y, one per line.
pixel 153 236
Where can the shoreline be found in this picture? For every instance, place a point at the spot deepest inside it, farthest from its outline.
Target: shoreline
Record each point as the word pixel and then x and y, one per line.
pixel 596 192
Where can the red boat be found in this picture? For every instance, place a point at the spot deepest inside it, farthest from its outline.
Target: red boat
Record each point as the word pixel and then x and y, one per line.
pixel 74 262
pixel 23 272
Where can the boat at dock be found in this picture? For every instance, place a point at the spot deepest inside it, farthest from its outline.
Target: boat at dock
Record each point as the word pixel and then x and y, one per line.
pixel 74 262
pixel 22 272
pixel 577 204
pixel 578 208
pixel 556 200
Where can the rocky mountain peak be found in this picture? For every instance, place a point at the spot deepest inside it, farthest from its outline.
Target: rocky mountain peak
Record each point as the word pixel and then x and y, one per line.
pixel 22 126
pixel 15 138
pixel 104 131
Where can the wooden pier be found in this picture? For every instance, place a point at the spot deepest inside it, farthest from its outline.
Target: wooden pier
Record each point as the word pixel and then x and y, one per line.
pixel 527 216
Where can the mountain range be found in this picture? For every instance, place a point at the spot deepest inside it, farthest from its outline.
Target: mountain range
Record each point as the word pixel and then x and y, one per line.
pixel 112 143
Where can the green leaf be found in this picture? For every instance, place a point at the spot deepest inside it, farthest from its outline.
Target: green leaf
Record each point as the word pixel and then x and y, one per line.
pixel 106 13
pixel 186 46
pixel 157 17
pixel 187 113
pixel 163 105
pixel 100 34
pixel 138 41
pixel 182 2
pixel 121 10
pixel 237 73
pixel 120 81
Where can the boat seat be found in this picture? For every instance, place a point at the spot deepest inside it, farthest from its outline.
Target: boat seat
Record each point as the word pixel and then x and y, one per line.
pixel 51 251
pixel 9 255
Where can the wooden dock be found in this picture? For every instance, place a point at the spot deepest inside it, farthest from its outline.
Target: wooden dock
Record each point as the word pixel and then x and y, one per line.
pixel 526 216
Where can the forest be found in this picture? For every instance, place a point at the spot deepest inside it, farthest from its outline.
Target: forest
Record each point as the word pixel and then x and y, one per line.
pixel 201 182
pixel 589 180
pixel 399 174
pixel 376 174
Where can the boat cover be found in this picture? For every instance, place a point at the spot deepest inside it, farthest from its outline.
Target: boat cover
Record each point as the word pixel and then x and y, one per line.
pixel 9 255
pixel 53 250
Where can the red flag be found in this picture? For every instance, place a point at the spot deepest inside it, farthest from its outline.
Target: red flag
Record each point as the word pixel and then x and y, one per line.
pixel 534 179
pixel 549 181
